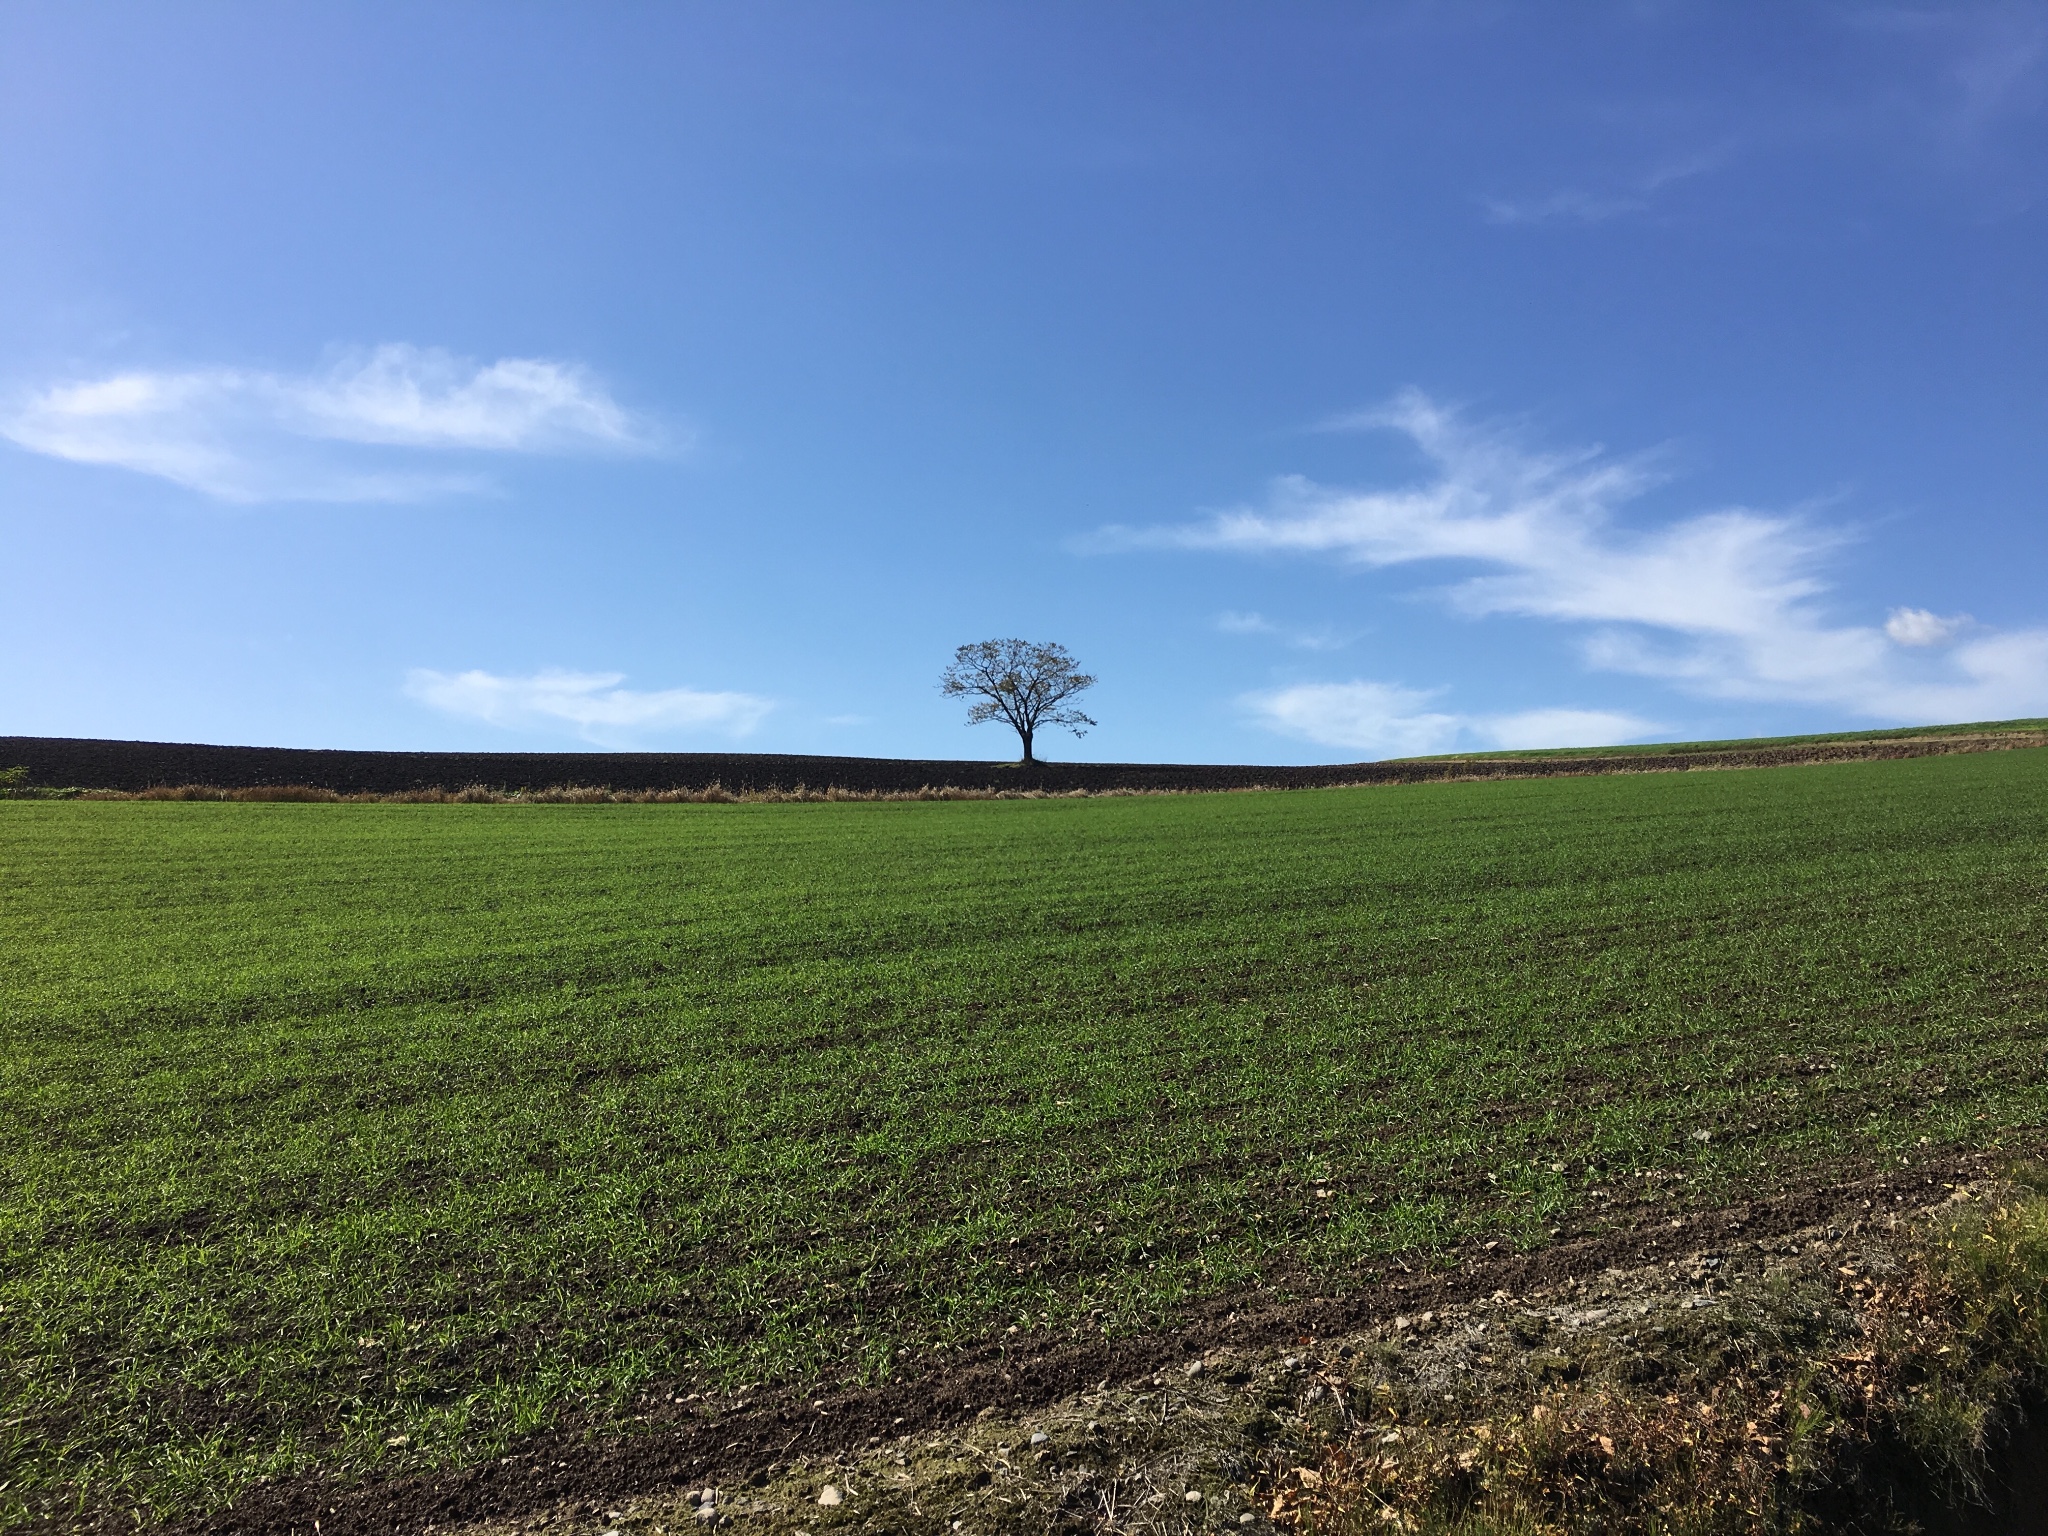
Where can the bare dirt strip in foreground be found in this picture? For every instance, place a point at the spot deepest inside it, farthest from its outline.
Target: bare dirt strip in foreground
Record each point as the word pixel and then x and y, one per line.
pixel 566 1480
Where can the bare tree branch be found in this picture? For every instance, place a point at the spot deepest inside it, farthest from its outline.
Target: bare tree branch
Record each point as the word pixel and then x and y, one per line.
pixel 1026 685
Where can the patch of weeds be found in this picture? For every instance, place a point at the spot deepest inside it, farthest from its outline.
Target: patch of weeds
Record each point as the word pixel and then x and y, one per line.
pixel 14 785
pixel 1871 1388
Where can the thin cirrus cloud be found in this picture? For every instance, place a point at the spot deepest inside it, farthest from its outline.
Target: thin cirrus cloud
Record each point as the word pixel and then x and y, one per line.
pixel 1572 205
pixel 1388 720
pixel 1233 623
pixel 1722 604
pixel 355 431
pixel 1576 205
pixel 592 704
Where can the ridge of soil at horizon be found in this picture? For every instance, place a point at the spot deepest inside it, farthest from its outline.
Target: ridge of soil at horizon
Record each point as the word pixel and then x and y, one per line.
pixel 130 767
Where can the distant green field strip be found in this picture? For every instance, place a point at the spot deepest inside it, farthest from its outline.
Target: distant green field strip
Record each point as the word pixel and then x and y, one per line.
pixel 1668 748
pixel 333 1123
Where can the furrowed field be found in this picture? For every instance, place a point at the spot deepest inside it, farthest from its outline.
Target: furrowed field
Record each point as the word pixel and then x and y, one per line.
pixel 328 1125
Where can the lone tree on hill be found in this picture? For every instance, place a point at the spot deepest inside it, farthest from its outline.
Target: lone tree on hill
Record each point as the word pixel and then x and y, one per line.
pixel 1013 680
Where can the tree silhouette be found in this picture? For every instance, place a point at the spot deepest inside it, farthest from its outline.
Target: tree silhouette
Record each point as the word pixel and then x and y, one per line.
pixel 1016 681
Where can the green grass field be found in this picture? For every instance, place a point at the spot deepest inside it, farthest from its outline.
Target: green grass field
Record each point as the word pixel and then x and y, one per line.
pixel 331 1124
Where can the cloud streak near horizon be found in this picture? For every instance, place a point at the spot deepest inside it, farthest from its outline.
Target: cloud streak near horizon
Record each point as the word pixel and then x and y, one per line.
pixel 352 432
pixel 1722 604
pixel 1387 719
pixel 592 703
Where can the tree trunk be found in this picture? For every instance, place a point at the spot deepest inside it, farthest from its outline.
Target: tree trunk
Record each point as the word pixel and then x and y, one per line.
pixel 1029 760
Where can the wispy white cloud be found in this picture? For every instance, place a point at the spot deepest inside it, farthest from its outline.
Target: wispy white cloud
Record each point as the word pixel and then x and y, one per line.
pixel 591 702
pixel 1383 719
pixel 1387 720
pixel 1529 729
pixel 1571 205
pixel 1723 603
pixel 1998 67
pixel 1974 64
pixel 1918 626
pixel 245 436
pixel 1233 623
pixel 1576 205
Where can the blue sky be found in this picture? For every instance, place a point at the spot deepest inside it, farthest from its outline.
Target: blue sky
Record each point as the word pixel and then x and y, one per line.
pixel 1336 381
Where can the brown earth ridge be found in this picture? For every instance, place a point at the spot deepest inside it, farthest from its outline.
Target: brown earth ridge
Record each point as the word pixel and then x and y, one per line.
pixel 133 766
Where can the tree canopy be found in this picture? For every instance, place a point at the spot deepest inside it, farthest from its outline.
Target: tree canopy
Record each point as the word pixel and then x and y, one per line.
pixel 1023 683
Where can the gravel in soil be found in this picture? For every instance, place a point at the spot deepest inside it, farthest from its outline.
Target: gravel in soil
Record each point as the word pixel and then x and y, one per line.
pixel 1228 1439
pixel 1232 1423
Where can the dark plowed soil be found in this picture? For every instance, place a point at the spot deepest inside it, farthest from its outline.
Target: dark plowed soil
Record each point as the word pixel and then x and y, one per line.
pixel 65 762
pixel 706 1442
